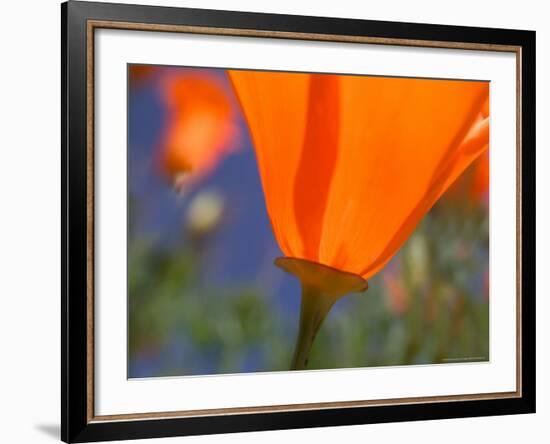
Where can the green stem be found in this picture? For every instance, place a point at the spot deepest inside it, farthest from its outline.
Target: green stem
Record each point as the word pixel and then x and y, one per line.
pixel 322 286
pixel 314 309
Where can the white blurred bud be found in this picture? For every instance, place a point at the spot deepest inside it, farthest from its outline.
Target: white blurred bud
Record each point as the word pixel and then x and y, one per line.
pixel 205 212
pixel 418 260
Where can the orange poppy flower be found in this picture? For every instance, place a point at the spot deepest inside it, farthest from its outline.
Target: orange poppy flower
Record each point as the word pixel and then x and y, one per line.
pixel 350 165
pixel 202 126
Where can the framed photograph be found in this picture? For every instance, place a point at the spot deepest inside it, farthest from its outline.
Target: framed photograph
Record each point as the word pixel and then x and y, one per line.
pixel 275 221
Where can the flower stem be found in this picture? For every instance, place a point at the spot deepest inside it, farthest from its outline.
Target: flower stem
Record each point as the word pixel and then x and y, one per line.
pixel 322 286
pixel 314 309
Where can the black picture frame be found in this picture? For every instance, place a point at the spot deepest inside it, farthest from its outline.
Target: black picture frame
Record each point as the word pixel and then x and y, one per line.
pixel 76 326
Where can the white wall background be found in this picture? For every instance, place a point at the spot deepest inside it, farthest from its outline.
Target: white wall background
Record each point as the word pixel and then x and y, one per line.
pixel 30 218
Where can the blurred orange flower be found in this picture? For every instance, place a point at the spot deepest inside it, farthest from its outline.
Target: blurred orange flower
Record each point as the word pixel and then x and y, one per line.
pixel 202 126
pixel 473 185
pixel 350 164
pixel 396 292
pixel 138 74
pixel 480 183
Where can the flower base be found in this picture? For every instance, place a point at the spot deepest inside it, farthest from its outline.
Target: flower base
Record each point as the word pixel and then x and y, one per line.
pixel 322 286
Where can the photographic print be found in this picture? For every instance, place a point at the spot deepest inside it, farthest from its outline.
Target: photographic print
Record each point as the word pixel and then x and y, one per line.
pixel 291 220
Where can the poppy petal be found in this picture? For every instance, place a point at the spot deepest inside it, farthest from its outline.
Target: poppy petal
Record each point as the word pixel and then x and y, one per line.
pixel 275 106
pixel 400 148
pixel 317 162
